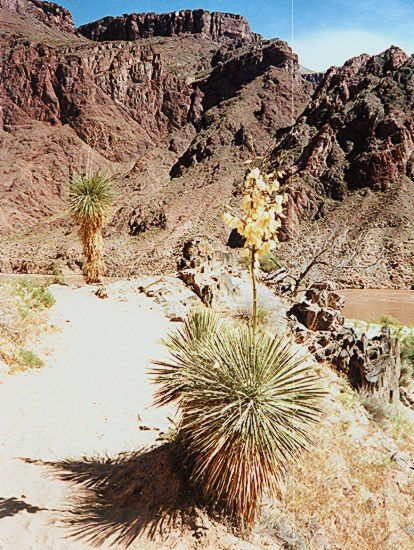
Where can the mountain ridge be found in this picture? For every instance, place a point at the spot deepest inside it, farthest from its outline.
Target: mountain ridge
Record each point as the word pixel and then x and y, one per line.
pixel 175 118
pixel 171 118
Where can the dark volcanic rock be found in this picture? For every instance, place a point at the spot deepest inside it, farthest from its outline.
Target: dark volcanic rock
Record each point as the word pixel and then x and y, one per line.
pixel 320 309
pixel 217 26
pixel 372 365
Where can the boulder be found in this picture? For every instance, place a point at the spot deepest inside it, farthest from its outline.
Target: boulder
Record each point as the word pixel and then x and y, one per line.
pixel 372 365
pixel 206 268
pixel 321 308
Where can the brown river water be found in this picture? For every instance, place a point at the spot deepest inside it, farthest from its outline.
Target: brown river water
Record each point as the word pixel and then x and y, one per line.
pixel 371 305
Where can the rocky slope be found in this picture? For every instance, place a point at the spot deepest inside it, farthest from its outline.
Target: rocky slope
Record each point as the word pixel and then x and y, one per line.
pixel 49 13
pixel 349 160
pixel 171 117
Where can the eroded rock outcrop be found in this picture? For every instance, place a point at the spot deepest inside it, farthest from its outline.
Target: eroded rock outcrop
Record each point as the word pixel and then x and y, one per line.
pixel 217 26
pixel 206 269
pixel 357 131
pixel 372 365
pixel 320 309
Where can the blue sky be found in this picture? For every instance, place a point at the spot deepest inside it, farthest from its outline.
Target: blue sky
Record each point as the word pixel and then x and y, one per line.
pixel 325 32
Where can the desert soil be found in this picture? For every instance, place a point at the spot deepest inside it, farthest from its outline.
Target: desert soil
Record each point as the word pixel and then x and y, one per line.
pixel 93 398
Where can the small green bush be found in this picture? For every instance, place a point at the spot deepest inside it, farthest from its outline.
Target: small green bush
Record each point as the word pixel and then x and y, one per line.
pixel 25 360
pixel 268 262
pixel 407 349
pixel 393 324
pixel 58 276
pixel 389 321
pixel 407 361
pixel 34 296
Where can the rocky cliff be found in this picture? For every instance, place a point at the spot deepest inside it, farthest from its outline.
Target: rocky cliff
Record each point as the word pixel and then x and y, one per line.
pixel 357 132
pixel 220 27
pixel 171 117
pixel 348 159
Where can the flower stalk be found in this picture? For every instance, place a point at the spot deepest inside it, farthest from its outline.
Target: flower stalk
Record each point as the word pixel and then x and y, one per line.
pixel 259 222
pixel 255 311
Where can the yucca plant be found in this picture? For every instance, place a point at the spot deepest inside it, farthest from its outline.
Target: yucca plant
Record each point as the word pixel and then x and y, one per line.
pixel 259 223
pixel 246 404
pixel 90 199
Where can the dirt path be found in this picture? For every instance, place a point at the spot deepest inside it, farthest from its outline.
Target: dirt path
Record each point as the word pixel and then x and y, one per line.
pixel 92 399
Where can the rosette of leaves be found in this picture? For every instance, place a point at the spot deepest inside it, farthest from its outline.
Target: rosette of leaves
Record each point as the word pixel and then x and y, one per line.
pixel 247 403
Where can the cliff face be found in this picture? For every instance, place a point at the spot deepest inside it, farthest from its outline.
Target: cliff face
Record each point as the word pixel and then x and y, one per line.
pixel 172 116
pixel 358 130
pixel 121 91
pixel 217 26
pixel 349 159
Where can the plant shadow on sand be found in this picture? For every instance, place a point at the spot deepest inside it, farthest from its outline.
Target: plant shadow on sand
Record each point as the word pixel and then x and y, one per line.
pixel 125 496
pixel 12 506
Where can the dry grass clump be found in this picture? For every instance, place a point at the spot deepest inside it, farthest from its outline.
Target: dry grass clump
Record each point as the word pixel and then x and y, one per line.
pixel 246 403
pixel 244 313
pixel 23 309
pixel 353 490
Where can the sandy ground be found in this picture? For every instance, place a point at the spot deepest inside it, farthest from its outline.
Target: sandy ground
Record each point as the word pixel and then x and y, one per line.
pixel 92 399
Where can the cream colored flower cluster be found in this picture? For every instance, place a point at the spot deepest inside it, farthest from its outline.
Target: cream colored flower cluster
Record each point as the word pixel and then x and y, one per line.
pixel 262 212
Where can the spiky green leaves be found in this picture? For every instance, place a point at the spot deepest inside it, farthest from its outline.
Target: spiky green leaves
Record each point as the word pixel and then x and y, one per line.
pixel 247 403
pixel 90 197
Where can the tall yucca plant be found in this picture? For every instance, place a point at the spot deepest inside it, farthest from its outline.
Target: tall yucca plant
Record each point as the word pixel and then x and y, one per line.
pixel 246 404
pixel 90 199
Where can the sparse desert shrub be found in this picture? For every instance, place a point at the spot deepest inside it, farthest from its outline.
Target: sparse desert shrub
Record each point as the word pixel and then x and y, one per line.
pixel 25 360
pixel 58 276
pixel 396 328
pixel 244 313
pixel 407 361
pixel 246 403
pixel 34 296
pixel 90 199
pixel 22 317
pixel 389 321
pixel 407 348
pixel 269 263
